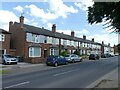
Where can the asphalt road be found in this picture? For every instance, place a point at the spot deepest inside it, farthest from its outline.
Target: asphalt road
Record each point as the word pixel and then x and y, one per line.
pixel 78 75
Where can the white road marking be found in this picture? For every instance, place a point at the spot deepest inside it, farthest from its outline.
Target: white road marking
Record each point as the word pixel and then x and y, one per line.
pixel 17 85
pixel 65 72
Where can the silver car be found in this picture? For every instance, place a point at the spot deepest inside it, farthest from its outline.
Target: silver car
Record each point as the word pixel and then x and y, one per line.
pixel 73 58
pixel 8 59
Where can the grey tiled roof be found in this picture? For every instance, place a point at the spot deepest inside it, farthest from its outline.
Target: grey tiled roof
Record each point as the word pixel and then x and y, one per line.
pixel 4 32
pixel 46 32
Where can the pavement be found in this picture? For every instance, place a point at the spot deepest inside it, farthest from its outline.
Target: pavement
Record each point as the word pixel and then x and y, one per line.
pixel 109 80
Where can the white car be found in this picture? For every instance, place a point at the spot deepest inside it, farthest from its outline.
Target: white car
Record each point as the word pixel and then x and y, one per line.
pixel 73 58
pixel 8 59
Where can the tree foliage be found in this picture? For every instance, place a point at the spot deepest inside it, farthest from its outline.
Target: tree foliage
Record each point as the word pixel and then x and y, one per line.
pixel 118 48
pixel 108 11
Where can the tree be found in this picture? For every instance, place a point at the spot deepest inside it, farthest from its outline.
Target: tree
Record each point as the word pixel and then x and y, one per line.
pixel 118 48
pixel 108 11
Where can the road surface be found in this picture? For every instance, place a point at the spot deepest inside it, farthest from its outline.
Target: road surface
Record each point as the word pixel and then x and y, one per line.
pixel 78 75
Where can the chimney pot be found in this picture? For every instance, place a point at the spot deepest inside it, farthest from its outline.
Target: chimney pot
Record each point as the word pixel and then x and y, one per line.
pixel 102 42
pixel 21 21
pixel 84 37
pixel 54 28
pixel 72 33
pixel 10 23
pixel 92 39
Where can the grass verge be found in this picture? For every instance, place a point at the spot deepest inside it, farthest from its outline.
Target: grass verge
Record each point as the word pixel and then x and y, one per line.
pixel 4 71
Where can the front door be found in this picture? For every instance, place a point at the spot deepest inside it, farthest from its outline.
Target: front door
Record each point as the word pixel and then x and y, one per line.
pixel 2 52
pixel 45 53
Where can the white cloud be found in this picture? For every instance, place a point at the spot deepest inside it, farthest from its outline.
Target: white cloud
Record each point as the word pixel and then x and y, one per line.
pixel 84 4
pixel 19 8
pixel 68 32
pixel 82 32
pixel 59 8
pixel 6 17
pixel 77 33
pixel 107 38
pixel 40 13
pixel 49 25
pixel 56 9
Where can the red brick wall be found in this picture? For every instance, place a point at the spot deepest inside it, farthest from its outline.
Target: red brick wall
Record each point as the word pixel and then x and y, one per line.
pixel 37 59
pixel 17 39
pixel 6 44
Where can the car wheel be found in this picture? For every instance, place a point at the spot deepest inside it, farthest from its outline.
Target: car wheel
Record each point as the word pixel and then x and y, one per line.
pixel 66 63
pixel 4 62
pixel 56 64
pixel 73 61
pixel 81 60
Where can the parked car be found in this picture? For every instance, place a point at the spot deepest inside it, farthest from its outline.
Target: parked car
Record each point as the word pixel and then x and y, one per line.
pixel 73 58
pixel 19 58
pixel 56 60
pixel 8 59
pixel 105 55
pixel 93 56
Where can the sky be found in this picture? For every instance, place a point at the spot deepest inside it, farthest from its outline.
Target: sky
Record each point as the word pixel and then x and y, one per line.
pixel 67 15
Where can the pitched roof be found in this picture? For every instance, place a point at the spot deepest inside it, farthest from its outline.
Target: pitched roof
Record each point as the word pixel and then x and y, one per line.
pixel 46 32
pixel 4 31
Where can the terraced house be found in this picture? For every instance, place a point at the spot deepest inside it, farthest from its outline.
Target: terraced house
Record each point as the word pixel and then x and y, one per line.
pixel 35 44
pixel 4 42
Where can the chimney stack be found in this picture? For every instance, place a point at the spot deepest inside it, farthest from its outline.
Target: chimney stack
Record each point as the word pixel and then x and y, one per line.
pixel 54 28
pixel 21 21
pixel 10 24
pixel 72 33
pixel 102 42
pixel 84 37
pixel 92 39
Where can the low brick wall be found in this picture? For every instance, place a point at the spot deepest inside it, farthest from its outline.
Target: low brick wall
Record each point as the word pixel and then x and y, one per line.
pixel 35 60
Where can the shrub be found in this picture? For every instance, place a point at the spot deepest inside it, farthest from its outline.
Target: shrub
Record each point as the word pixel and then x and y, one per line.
pixel 64 53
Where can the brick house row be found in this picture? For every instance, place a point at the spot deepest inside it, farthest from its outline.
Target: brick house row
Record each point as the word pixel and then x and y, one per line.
pixel 4 42
pixel 35 44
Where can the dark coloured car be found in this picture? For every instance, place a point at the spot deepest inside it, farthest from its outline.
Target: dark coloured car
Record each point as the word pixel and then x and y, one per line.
pixel 19 58
pixel 56 60
pixel 93 56
pixel 105 55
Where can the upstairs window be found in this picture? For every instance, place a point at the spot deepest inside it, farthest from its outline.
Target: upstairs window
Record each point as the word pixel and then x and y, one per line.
pixel 2 37
pixel 45 39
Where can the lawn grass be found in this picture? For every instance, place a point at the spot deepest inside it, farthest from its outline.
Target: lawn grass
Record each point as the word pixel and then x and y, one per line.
pixel 4 71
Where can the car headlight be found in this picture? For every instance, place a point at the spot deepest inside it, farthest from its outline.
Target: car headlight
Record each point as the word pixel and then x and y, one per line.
pixel 68 59
pixel 8 59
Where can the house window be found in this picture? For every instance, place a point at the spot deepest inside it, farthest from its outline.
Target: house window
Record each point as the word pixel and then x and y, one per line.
pixel 28 37
pixel 2 37
pixel 54 51
pixel 45 40
pixel 34 52
pixel 49 40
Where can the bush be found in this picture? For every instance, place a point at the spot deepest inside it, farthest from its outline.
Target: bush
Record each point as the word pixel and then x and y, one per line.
pixel 64 53
pixel 76 52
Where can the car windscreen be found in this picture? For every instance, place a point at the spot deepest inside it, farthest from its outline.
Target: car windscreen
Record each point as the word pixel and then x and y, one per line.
pixel 9 56
pixel 67 55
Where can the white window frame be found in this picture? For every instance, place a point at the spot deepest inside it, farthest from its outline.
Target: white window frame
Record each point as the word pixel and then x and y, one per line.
pixel 2 37
pixel 32 48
